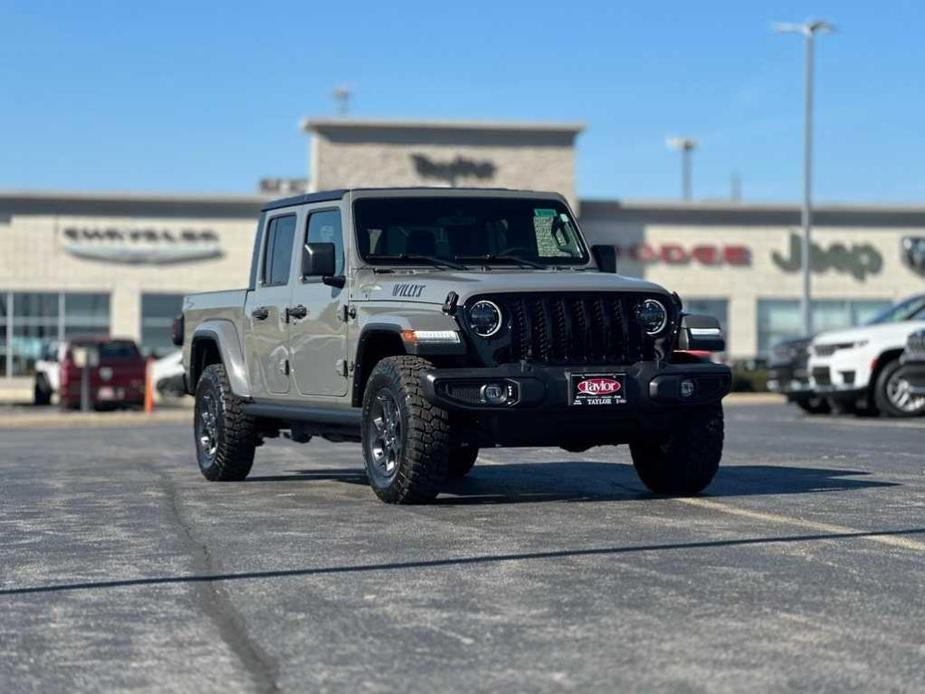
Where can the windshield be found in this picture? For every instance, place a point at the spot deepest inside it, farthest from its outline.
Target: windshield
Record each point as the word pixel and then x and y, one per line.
pixel 910 309
pixel 468 230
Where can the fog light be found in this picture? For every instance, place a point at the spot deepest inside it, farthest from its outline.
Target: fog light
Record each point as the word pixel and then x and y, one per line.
pixel 494 393
pixel 687 388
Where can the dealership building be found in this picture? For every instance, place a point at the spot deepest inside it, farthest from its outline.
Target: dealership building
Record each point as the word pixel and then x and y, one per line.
pixel 78 263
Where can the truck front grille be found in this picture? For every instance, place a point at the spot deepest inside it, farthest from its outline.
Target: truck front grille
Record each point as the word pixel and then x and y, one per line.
pixel 915 347
pixel 824 350
pixel 822 376
pixel 570 328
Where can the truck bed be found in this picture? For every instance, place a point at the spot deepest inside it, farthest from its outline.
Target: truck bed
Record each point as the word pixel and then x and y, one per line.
pixel 226 305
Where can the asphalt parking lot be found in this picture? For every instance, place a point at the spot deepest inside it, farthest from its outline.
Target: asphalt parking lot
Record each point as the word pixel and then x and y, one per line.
pixel 801 568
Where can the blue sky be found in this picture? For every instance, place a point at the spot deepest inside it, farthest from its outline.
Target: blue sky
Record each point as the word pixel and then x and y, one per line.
pixel 206 97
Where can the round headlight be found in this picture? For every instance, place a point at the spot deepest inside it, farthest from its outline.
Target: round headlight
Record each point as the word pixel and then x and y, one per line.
pixel 485 318
pixel 652 315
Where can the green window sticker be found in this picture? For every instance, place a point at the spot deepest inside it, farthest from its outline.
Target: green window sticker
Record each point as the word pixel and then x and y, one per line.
pixel 543 212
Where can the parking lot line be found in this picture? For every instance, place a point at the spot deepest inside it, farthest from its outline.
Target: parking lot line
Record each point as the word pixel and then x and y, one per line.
pixel 887 538
pixel 884 539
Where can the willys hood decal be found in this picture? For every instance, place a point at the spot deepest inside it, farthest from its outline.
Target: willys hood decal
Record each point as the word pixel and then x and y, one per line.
pixel 433 287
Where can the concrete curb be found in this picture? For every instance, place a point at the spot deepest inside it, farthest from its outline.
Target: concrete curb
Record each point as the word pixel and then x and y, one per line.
pixel 57 420
pixel 754 399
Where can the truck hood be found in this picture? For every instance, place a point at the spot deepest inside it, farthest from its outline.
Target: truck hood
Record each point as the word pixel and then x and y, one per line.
pixel 433 286
pixel 885 335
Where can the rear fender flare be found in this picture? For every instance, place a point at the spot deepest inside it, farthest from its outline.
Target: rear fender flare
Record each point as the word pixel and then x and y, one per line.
pixel 225 337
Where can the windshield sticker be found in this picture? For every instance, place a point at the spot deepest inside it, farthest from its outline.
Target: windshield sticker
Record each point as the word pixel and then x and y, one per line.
pixel 544 212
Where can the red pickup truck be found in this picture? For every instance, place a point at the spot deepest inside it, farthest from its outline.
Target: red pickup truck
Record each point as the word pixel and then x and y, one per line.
pixel 115 373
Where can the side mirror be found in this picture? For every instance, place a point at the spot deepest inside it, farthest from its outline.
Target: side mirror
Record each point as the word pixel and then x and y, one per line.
pixel 605 257
pixel 701 334
pixel 318 260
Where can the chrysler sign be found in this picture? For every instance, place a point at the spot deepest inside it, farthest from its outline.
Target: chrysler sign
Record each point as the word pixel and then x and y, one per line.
pixel 142 245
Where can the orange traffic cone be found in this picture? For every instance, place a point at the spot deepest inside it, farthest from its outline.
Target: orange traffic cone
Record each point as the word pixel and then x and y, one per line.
pixel 149 385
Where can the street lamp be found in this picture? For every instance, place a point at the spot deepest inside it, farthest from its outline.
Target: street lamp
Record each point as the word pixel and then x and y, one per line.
pixel 808 30
pixel 685 145
pixel 342 96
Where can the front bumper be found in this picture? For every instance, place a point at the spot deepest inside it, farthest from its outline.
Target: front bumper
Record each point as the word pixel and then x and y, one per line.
pixel 792 381
pixel 846 371
pixel 646 386
pixel 106 395
pixel 537 409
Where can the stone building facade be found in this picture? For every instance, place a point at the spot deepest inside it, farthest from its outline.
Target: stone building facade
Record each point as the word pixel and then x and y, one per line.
pixel 359 154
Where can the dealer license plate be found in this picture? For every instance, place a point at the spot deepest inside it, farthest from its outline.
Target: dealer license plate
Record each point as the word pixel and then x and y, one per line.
pixel 597 389
pixel 108 393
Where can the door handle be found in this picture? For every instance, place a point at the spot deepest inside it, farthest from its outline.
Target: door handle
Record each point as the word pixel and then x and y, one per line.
pixel 297 312
pixel 260 313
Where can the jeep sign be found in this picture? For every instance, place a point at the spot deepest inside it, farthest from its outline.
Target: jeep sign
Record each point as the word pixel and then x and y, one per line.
pixel 858 260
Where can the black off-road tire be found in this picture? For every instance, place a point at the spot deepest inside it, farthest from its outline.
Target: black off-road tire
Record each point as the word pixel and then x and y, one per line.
pixel 461 461
pixel 413 469
pixel 882 400
pixel 685 461
pixel 229 454
pixel 815 405
pixel 42 391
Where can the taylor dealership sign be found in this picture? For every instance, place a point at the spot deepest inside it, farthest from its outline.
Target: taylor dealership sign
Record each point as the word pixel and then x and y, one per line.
pixel 454 169
pixel 141 245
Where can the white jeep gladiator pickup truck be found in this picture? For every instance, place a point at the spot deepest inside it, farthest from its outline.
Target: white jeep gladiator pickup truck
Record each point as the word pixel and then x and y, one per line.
pixel 429 323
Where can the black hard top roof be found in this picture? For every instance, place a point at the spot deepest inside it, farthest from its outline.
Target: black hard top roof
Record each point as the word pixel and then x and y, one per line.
pixel 305 198
pixel 337 194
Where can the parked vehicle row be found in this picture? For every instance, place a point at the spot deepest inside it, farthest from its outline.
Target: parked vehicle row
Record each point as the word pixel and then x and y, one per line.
pixel 858 369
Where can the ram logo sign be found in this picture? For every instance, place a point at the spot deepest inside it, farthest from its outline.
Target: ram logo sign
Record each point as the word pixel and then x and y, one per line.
pixel 914 253
pixel 141 246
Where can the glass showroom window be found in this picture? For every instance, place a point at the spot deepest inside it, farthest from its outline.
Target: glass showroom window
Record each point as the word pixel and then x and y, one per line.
pixel 157 314
pixel 35 325
pixel 865 311
pixel 718 308
pixel 33 322
pixel 5 354
pixel 86 314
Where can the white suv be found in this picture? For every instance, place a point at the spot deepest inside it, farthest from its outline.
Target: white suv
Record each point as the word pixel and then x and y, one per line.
pixel 862 364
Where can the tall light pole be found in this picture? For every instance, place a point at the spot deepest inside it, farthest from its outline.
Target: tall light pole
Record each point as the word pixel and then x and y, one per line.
pixel 808 30
pixel 685 145
pixel 342 96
